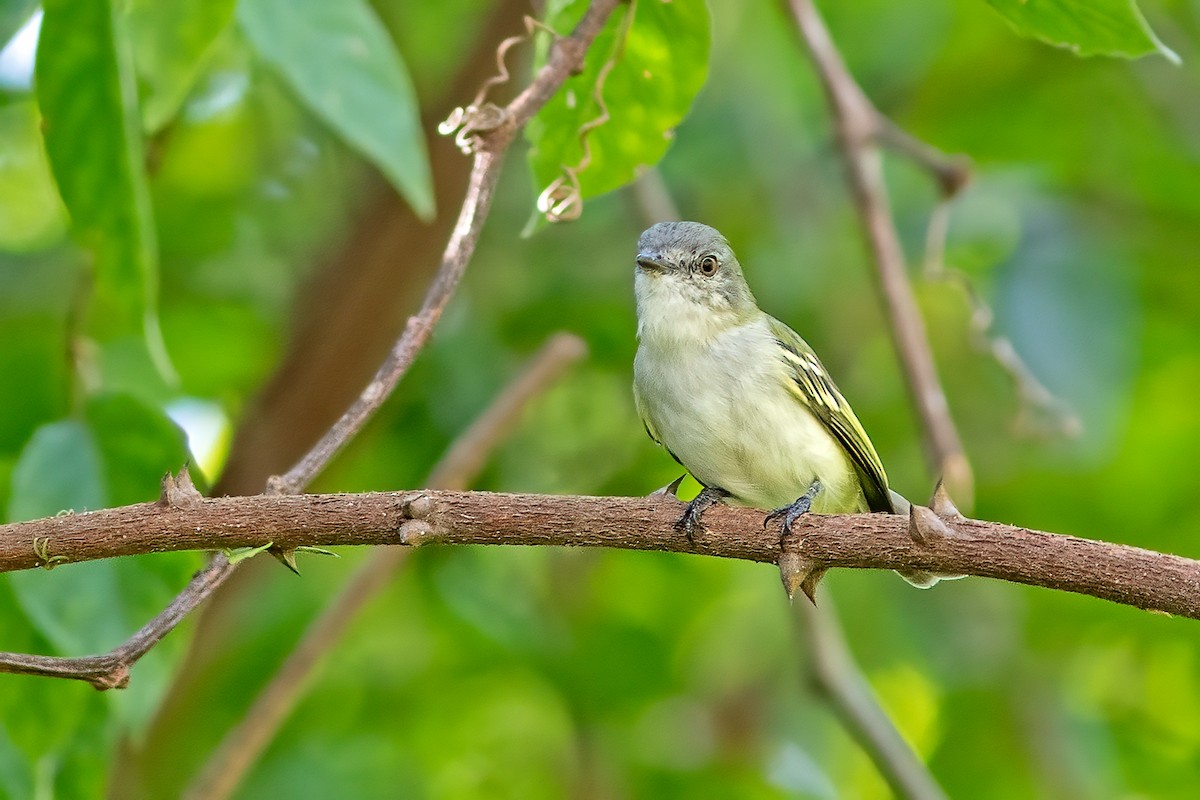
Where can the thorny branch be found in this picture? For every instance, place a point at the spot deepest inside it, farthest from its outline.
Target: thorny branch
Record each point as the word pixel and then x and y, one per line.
pixel 939 542
pixel 491 132
pixel 458 467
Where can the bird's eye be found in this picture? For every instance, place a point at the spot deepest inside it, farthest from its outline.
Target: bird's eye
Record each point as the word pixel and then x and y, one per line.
pixel 708 265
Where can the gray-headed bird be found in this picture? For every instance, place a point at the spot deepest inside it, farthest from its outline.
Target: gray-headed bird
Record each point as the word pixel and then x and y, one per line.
pixel 737 397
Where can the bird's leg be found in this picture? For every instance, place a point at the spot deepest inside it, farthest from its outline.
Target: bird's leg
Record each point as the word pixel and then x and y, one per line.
pixel 708 496
pixel 796 510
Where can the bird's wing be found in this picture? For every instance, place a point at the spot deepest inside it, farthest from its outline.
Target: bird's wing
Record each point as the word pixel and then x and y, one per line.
pixel 813 387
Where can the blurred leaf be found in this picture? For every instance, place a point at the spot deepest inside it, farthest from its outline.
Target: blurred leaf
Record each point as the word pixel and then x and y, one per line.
pixel 59 470
pixel 1085 27
pixel 31 213
pixel 338 59
pixel 137 443
pixel 658 67
pixel 170 41
pixel 34 298
pixel 115 455
pixel 86 92
pixel 15 777
pixel 14 14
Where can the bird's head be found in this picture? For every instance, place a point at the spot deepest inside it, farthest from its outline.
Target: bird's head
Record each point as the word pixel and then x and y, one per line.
pixel 687 275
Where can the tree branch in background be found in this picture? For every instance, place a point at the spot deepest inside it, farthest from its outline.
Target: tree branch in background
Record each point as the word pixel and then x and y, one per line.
pixel 491 130
pixel 458 468
pixel 1040 411
pixel 837 679
pixel 859 126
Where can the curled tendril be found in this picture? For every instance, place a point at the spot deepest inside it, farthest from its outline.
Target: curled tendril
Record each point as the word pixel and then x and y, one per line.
pixel 562 200
pixel 480 115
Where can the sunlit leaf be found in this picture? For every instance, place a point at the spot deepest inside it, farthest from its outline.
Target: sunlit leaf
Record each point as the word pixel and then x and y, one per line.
pixel 340 62
pixel 659 60
pixel 1085 27
pixel 170 41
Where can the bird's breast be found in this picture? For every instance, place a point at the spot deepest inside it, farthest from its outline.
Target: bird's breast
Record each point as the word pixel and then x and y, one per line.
pixel 724 408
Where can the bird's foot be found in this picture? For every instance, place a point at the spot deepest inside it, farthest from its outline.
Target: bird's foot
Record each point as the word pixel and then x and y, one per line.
pixel 796 510
pixel 708 497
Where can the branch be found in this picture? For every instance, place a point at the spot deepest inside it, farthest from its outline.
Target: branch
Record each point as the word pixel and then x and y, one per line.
pixel 111 670
pixel 1123 574
pixel 859 126
pixel 242 745
pixel 490 142
pixel 836 677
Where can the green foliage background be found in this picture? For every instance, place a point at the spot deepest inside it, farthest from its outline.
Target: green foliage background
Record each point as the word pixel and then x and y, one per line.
pixel 533 673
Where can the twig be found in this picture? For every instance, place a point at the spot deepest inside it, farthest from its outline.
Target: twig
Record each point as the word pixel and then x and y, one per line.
pixel 111 670
pixel 1039 410
pixel 836 677
pixel 1123 574
pixel 859 126
pixel 242 745
pixel 566 55
pixel 952 172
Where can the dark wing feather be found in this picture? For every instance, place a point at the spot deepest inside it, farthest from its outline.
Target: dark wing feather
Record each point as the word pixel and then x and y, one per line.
pixel 816 390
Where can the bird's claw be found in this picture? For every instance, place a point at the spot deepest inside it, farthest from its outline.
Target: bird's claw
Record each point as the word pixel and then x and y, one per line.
pixel 796 510
pixel 690 520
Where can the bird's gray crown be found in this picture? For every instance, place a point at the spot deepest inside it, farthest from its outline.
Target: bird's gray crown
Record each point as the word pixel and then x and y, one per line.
pixel 667 239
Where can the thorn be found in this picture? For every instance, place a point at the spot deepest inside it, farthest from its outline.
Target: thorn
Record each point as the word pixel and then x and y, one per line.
pixel 914 528
pixel 926 527
pixel 670 490
pixel 178 491
pixel 942 505
pixel 809 585
pixel 287 557
pixel 797 572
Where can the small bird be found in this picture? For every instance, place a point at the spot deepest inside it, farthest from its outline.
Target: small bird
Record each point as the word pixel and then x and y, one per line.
pixel 737 397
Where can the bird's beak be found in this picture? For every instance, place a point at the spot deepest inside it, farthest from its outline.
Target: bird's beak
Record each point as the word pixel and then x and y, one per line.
pixel 650 263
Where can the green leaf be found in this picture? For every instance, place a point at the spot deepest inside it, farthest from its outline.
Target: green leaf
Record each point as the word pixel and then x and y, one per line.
pixel 16 779
pixel 1085 27
pixel 138 445
pixel 242 553
pixel 339 60
pixel 59 470
pixel 660 65
pixel 171 39
pixel 13 15
pixel 31 214
pixel 85 88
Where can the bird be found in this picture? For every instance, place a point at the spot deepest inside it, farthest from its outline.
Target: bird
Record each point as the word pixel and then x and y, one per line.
pixel 737 397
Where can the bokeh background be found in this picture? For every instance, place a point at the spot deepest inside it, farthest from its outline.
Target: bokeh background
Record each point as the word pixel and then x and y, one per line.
pixel 288 263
